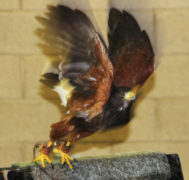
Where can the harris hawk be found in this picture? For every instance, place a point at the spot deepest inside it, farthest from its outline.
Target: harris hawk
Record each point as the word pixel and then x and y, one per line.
pixel 96 84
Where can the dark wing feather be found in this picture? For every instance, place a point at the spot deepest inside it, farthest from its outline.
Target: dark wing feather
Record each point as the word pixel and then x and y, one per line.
pixel 130 50
pixel 82 59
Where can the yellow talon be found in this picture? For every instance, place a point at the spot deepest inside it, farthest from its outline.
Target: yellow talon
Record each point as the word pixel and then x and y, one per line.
pixel 42 157
pixel 65 157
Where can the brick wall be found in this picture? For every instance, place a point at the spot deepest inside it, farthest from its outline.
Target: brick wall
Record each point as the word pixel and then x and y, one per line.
pixel 161 116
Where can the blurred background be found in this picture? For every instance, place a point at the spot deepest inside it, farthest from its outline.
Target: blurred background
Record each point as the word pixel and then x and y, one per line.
pixel 161 121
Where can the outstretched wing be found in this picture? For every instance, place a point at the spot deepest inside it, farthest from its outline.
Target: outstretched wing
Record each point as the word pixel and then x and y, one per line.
pixel 130 50
pixel 82 72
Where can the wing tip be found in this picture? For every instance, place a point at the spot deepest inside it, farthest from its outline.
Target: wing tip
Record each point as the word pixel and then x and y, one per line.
pixel 148 41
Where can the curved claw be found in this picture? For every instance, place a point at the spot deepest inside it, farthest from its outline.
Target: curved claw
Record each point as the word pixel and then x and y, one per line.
pixel 44 151
pixel 65 157
pixel 42 157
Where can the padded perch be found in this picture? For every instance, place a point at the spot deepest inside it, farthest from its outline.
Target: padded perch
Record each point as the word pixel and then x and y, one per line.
pixel 135 166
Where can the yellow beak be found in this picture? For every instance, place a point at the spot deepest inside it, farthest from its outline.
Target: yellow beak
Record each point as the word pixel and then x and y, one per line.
pixel 131 95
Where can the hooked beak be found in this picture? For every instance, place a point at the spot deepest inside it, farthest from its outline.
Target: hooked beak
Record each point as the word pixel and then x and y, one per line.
pixel 131 95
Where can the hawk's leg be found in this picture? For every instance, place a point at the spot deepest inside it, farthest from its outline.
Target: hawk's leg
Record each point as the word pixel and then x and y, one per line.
pixel 64 148
pixel 61 129
pixel 44 152
pixel 58 131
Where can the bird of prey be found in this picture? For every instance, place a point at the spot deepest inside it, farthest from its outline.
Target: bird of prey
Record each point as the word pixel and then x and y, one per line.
pixel 97 84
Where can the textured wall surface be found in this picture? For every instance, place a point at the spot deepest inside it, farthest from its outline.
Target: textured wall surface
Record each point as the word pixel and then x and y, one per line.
pixel 161 121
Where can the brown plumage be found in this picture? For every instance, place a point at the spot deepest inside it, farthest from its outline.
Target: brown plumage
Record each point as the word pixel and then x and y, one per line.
pixel 98 85
pixel 91 105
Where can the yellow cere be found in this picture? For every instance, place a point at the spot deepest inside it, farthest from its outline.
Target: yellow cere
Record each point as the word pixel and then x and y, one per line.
pixel 64 90
pixel 129 95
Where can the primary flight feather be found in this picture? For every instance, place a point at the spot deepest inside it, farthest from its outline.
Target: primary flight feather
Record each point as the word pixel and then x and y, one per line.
pixel 96 84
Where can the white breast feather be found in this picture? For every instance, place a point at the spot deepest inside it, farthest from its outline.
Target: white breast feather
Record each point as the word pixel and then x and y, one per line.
pixel 64 90
pixel 63 94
